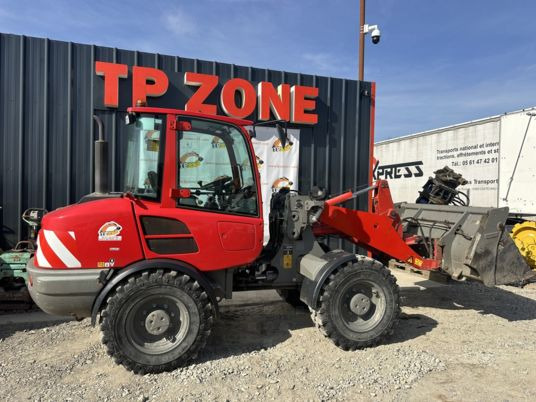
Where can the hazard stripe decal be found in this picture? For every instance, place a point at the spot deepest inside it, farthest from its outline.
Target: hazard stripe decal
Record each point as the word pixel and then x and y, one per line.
pixel 61 251
pixel 40 259
pixel 48 253
pixel 68 242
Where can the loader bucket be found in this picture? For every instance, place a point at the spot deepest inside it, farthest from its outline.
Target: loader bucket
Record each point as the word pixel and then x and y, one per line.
pixel 474 243
pixel 512 267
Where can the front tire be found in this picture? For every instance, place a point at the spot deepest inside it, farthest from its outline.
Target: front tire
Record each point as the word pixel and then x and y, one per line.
pixel 156 321
pixel 359 305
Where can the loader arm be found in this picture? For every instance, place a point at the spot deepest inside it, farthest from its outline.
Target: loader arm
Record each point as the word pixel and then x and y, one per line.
pixel 372 231
pixel 377 231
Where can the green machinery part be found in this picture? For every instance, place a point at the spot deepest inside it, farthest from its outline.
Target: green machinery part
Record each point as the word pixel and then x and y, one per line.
pixel 13 277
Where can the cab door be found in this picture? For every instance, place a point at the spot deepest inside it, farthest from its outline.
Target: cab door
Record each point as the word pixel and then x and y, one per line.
pixel 213 201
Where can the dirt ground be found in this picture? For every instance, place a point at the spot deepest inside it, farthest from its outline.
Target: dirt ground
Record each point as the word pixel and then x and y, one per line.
pixel 456 342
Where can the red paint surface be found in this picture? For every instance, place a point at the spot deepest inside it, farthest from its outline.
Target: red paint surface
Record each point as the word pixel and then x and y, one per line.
pixel 147 81
pixel 111 73
pixel 303 103
pixel 206 84
pixel 277 101
pixel 85 220
pixel 237 236
pixel 295 103
pixel 247 94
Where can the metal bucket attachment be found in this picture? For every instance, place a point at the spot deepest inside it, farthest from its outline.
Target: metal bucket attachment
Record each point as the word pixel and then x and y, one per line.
pixel 472 241
pixel 512 267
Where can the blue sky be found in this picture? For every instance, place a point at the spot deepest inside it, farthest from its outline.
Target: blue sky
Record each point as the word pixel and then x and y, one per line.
pixel 439 62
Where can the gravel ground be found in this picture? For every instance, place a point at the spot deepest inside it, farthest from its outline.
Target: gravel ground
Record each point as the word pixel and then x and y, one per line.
pixel 457 342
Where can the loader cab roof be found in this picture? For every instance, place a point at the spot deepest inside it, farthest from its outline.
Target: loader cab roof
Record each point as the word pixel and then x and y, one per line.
pixel 158 110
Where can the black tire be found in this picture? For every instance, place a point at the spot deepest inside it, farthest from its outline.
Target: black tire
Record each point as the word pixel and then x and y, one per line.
pixel 291 296
pixel 131 321
pixel 344 314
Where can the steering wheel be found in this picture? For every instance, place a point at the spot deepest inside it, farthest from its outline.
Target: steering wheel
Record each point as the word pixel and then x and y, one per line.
pixel 216 184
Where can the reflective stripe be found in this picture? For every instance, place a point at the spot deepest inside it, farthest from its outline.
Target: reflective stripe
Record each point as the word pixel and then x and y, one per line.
pixel 60 250
pixel 67 240
pixel 40 259
pixel 49 254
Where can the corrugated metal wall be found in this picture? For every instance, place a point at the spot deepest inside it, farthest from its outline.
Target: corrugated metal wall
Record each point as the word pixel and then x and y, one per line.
pixel 49 91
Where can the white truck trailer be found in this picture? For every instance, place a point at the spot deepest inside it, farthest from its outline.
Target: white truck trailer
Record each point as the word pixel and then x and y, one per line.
pixel 497 155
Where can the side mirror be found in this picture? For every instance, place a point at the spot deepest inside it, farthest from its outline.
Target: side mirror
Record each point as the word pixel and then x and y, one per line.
pixel 177 193
pixel 282 134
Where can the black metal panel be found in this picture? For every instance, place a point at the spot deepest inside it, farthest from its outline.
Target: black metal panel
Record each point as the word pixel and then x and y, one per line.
pixel 58 111
pixel 79 149
pixel 12 67
pixel 185 245
pixel 49 92
pixel 157 225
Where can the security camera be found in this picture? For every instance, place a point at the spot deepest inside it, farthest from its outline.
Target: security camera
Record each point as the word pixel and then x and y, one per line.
pixel 375 35
pixel 374 31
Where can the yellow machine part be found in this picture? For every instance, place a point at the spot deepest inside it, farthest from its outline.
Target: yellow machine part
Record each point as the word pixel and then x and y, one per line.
pixel 524 236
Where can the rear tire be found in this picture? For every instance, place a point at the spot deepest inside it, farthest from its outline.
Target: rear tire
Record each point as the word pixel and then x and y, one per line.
pixel 359 305
pixel 156 321
pixel 291 296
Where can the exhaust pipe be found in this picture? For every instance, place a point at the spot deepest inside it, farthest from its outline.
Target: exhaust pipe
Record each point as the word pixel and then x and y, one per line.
pixel 101 160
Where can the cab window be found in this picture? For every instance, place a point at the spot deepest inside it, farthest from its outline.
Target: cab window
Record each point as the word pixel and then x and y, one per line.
pixel 215 165
pixel 143 170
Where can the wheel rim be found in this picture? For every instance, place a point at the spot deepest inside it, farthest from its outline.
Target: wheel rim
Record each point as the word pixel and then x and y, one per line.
pixel 361 305
pixel 157 324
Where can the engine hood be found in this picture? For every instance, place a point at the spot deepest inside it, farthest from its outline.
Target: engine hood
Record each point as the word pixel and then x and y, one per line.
pixel 94 234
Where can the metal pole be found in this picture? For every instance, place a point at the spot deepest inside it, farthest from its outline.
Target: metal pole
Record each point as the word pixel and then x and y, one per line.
pixel 361 39
pixel 100 164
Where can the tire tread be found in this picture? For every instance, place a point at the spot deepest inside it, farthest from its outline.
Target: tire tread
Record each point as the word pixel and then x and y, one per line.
pixel 321 316
pixel 144 279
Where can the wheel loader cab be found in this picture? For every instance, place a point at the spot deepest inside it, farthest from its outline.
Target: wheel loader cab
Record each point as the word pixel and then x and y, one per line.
pixel 197 187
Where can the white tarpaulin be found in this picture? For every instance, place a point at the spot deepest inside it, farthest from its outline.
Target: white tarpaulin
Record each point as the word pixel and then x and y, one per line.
pixel 278 166
pixel 517 173
pixel 472 150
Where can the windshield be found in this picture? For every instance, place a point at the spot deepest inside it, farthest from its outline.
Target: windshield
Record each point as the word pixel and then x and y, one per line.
pixel 215 165
pixel 142 176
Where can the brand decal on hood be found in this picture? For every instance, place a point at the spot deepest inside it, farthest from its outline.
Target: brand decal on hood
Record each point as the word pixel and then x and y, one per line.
pixel 110 231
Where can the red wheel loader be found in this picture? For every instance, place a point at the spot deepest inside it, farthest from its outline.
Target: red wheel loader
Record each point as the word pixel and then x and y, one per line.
pixel 150 264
